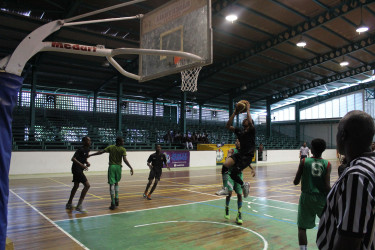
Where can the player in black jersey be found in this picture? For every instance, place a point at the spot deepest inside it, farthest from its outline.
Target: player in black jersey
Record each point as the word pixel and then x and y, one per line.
pixel 236 163
pixel 155 163
pixel 80 164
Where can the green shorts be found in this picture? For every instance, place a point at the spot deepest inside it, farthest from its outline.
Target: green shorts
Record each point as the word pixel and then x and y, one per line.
pixel 114 174
pixel 230 184
pixel 310 206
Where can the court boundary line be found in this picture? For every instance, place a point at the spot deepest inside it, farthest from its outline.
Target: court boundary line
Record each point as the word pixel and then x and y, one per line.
pixel 265 242
pixel 140 210
pixel 49 220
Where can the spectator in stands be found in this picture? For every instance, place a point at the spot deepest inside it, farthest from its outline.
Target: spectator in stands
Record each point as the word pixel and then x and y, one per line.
pixel 260 152
pixel 178 137
pixel 304 151
pixel 187 141
pixel 168 137
pixel 348 220
pixel 194 138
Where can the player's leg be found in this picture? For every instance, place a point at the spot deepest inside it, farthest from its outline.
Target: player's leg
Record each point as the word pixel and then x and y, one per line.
pixel 302 238
pixel 151 177
pixel 238 190
pixel 305 218
pixel 157 179
pixel 86 186
pixel 227 201
pixel 72 193
pixel 224 176
pixel 118 172
pixel 111 182
pixel 228 186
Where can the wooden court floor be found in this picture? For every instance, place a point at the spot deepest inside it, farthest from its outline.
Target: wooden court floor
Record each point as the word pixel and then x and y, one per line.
pixel 184 213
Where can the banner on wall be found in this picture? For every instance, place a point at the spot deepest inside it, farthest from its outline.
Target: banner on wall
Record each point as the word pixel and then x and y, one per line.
pixel 177 158
pixel 221 151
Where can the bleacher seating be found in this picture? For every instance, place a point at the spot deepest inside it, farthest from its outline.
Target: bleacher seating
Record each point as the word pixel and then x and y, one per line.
pixel 64 129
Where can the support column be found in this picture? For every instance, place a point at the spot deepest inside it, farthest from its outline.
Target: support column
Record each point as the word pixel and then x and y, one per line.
pixel 119 107
pixel 183 113
pixel 153 108
pixel 32 105
pixel 298 126
pixel 268 119
pixel 20 98
pixel 94 106
pixel 200 114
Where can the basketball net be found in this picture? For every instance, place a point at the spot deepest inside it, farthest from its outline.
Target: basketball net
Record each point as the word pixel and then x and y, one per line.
pixel 189 77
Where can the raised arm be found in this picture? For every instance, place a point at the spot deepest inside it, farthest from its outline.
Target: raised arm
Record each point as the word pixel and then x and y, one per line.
pixel 230 121
pixel 249 115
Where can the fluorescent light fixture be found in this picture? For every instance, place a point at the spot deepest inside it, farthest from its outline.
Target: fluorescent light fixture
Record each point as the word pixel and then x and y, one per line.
pixel 344 63
pixel 231 18
pixel 301 44
pixel 362 28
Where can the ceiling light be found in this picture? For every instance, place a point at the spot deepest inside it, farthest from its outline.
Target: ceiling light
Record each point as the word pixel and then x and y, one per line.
pixel 301 43
pixel 344 63
pixel 231 18
pixel 361 28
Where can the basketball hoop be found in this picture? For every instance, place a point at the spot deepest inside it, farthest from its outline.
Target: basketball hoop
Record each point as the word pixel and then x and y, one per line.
pixel 189 77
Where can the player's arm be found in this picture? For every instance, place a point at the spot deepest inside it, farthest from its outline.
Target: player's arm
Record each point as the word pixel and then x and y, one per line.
pixel 128 164
pixel 249 115
pixel 78 163
pixel 327 178
pixel 97 153
pixel 149 165
pixel 298 177
pixel 230 121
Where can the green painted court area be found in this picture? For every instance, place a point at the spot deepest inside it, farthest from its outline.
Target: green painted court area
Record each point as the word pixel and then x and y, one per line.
pixel 268 224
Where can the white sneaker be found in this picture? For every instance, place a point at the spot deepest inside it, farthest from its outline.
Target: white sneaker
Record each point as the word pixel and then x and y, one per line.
pixel 246 189
pixel 223 191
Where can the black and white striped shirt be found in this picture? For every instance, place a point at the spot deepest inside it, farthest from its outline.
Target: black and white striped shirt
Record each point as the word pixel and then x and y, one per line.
pixel 350 208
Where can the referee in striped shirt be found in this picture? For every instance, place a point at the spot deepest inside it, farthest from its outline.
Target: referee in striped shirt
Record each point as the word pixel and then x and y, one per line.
pixel 348 220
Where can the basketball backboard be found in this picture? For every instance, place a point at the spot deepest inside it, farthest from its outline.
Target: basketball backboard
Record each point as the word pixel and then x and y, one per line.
pixel 179 25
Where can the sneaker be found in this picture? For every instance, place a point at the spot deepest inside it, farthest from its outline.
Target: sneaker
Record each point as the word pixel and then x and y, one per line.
pixel 80 209
pixel 116 202
pixel 223 191
pixel 239 219
pixel 69 206
pixel 149 197
pixel 246 189
pixel 227 216
pixel 144 195
pixel 112 207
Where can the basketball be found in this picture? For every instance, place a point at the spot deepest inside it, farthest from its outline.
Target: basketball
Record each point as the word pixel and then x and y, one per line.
pixel 241 106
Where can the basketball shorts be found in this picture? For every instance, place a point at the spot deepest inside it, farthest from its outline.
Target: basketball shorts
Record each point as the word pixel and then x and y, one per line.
pixel 78 176
pixel 155 173
pixel 310 206
pixel 242 161
pixel 232 185
pixel 114 174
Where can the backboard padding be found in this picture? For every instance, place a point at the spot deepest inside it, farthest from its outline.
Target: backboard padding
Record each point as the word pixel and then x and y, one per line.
pixel 179 25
